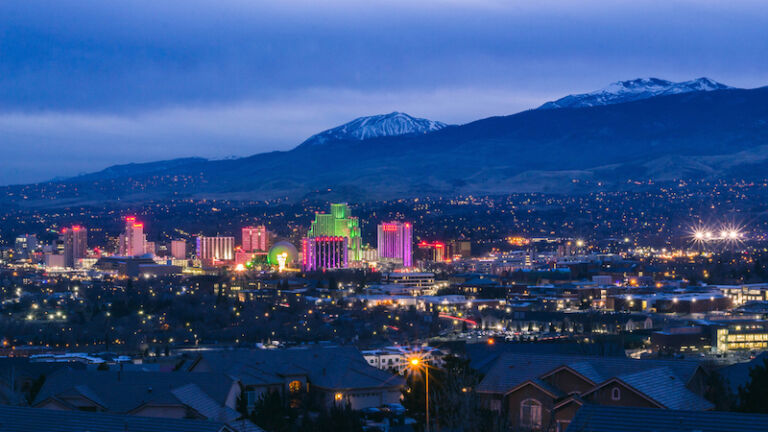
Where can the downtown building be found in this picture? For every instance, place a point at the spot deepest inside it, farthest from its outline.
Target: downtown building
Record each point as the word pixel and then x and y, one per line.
pixel 339 223
pixel 218 248
pixel 133 241
pixel 73 244
pixel 325 253
pixel 395 242
pixel 255 239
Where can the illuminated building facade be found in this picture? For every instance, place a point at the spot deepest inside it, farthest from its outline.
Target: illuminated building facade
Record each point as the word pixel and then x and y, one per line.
pixel 738 335
pixel 255 239
pixel 339 223
pixel 325 253
pixel 132 241
pixel 74 241
pixel 25 246
pixel 179 249
pixel 434 251
pixel 217 248
pixel 395 241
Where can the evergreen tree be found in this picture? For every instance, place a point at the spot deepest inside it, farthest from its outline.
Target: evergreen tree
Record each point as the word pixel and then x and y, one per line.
pixel 754 397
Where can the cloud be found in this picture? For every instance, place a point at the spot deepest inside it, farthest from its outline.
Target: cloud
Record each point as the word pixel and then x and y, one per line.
pixel 90 83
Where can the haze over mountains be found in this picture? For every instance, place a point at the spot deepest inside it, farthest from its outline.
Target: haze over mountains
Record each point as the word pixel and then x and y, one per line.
pixel 637 130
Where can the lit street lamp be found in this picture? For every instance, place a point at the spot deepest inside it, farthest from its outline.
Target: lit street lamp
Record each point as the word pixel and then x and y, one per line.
pixel 415 365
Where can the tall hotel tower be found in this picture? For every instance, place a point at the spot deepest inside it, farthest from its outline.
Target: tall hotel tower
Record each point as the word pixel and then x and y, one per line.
pixel 339 223
pixel 132 240
pixel 255 239
pixel 75 243
pixel 395 242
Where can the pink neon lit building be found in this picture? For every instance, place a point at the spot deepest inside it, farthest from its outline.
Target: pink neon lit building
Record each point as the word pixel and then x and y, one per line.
pixel 395 241
pixel 255 239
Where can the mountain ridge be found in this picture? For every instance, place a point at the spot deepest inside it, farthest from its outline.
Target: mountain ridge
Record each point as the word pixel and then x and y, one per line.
pixel 633 90
pixel 692 135
pixel 362 128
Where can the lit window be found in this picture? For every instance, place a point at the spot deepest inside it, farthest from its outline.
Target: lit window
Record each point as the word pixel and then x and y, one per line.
pixel 294 386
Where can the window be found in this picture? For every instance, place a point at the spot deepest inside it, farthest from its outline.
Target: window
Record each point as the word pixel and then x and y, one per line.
pixel 294 386
pixel 495 405
pixel 530 414
pixel 615 393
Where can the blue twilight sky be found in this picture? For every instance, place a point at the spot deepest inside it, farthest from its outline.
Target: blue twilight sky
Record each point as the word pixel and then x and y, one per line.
pixel 85 84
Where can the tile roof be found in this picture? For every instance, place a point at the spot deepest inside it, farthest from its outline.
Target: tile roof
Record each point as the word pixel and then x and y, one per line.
pixel 23 419
pixel 194 397
pixel 511 369
pixel 601 418
pixel 122 392
pixel 327 367
pixel 662 385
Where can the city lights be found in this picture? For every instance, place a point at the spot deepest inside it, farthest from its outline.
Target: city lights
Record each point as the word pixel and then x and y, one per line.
pixel 726 233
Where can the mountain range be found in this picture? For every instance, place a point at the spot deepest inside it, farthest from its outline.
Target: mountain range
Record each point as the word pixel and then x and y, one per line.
pixel 363 128
pixel 632 90
pixel 632 131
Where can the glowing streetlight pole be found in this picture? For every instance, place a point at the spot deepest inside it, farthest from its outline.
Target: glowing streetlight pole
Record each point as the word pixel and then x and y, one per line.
pixel 415 365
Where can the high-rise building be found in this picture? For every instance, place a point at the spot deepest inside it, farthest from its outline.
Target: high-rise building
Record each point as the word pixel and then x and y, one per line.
pixel 179 249
pixel 339 223
pixel 132 241
pixel 255 239
pixel 217 248
pixel 434 251
pixel 25 245
pixel 325 253
pixel 395 242
pixel 74 244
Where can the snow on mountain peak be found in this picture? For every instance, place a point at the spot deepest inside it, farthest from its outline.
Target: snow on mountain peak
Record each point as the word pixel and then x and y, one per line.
pixel 362 128
pixel 632 90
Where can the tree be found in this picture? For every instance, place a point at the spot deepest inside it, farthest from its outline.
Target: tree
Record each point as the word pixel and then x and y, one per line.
pixel 271 412
pixel 719 393
pixel 754 397
pixel 454 405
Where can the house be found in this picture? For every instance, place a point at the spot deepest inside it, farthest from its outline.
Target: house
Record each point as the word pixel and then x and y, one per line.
pixel 20 378
pixel 397 358
pixel 600 418
pixel 209 396
pixel 25 419
pixel 329 374
pixel 543 392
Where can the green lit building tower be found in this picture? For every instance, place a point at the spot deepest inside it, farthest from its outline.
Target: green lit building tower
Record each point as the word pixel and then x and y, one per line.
pixel 338 223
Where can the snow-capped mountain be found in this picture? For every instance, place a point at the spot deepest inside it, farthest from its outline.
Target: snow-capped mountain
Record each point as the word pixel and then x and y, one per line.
pixel 632 90
pixel 392 124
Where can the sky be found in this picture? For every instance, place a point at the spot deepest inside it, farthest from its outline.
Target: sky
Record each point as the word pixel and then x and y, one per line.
pixel 85 84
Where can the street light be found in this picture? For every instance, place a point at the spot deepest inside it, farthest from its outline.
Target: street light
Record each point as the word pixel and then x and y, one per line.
pixel 415 363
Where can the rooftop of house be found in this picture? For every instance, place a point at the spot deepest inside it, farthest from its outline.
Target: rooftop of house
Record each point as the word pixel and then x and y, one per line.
pixel 512 369
pixel 121 392
pixel 23 419
pixel 330 367
pixel 601 418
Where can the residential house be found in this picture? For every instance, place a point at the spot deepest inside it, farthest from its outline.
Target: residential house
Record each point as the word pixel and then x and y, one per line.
pixel 211 396
pixel 329 374
pixel 543 392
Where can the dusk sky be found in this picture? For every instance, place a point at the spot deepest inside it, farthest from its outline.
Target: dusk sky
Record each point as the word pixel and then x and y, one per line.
pixel 88 84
